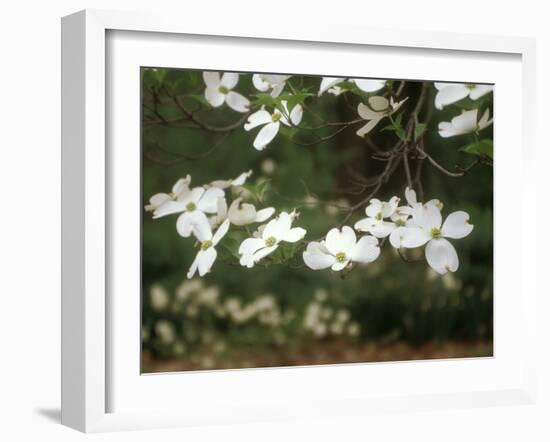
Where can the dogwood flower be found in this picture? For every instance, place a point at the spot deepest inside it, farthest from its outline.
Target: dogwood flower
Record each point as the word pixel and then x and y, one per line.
pixel 194 204
pixel 377 109
pixel 239 181
pixel 207 253
pixel 428 229
pixel 159 199
pixel 266 82
pixel 402 216
pixel 279 229
pixel 272 122
pixel 449 93
pixel 464 123
pixel 242 214
pixel 377 212
pixel 331 83
pixel 219 90
pixel 340 249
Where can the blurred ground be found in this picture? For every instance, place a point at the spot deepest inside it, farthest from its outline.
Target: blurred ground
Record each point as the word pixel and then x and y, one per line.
pixel 324 352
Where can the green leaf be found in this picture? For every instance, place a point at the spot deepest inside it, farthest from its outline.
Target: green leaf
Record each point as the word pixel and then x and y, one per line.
pixel 480 148
pixel 264 100
pixel 419 130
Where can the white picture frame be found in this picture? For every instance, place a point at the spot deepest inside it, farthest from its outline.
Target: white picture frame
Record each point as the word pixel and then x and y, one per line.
pixel 87 205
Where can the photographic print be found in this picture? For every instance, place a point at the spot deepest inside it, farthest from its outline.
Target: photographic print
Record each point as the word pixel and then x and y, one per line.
pixel 295 220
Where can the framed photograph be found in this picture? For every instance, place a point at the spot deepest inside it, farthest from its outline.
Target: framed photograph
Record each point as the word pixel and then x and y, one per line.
pixel 269 223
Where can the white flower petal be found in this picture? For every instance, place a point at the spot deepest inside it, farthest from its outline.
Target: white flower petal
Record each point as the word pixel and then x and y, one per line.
pixel 364 130
pixel 479 90
pixel 241 214
pixel 410 196
pixel 366 250
pixel 411 237
pixel 427 216
pixel 214 97
pixel 484 120
pixel 205 260
pixel 193 267
pixel 212 79
pixel 241 179
pixel 266 135
pixel 337 266
pixel 157 200
pixel 209 200
pixel 220 233
pixel 316 257
pixel 465 122
pixel 262 253
pixel 296 114
pixel 379 103
pixel 441 256
pixel 251 245
pixel 193 196
pixel 168 208
pixel 257 119
pixel 229 80
pixel 333 241
pixel 181 186
pixel 237 102
pixel 260 83
pixel 196 223
pixel 328 82
pixel 369 85
pixel 457 226
pixel 347 239
pixel 382 229
pixel 366 113
pixel 366 224
pixel 264 214
pixel 451 94
pixel 374 208
pixel 293 235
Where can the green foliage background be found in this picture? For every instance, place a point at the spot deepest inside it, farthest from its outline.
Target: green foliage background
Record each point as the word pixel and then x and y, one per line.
pixel 392 300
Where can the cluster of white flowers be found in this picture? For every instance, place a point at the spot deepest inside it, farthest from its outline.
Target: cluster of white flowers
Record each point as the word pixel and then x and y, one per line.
pixel 409 226
pixel 467 122
pixel 203 213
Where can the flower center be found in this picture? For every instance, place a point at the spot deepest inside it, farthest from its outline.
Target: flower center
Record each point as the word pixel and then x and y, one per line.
pixel 379 216
pixel 205 245
pixel 399 223
pixel 223 90
pixel 436 233
pixel 276 117
pixel 340 257
pixel 269 242
pixel 470 86
pixel 191 206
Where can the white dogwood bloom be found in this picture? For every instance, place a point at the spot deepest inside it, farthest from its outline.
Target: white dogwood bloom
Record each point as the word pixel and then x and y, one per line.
pixel 428 229
pixel 159 199
pixel 279 229
pixel 449 93
pixel 464 123
pixel 377 213
pixel 330 84
pixel 402 216
pixel 193 206
pixel 239 181
pixel 242 214
pixel 376 109
pixel 207 253
pixel 340 249
pixel 219 90
pixel 270 82
pixel 272 122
